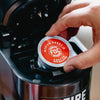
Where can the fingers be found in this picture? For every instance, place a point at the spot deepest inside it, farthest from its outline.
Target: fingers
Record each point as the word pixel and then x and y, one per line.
pixel 84 60
pixel 74 19
pixel 73 6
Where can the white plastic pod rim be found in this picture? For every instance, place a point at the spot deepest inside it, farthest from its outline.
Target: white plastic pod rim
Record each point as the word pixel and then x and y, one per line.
pixel 43 60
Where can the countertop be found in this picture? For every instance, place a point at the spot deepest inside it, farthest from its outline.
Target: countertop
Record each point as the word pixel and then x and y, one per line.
pixel 85 36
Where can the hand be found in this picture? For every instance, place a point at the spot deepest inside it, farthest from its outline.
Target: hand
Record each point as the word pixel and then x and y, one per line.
pixel 80 12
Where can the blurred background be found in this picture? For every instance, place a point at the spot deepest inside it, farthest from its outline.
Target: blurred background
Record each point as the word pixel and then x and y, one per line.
pixel 85 36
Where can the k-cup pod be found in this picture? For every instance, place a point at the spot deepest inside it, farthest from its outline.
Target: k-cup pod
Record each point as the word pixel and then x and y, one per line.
pixel 54 52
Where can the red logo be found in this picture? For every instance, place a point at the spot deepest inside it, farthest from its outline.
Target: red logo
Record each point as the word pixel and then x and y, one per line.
pixel 55 51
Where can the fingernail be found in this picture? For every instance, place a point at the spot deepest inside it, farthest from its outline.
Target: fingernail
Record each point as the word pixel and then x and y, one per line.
pixel 68 68
pixel 47 33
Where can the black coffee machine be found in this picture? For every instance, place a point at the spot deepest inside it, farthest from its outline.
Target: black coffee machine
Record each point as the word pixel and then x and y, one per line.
pixel 23 23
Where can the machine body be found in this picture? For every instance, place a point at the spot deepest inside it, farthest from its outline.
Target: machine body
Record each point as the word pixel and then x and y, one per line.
pixel 23 23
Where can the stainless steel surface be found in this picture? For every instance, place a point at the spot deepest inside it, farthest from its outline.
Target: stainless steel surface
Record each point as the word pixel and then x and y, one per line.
pixel 7 86
pixel 54 92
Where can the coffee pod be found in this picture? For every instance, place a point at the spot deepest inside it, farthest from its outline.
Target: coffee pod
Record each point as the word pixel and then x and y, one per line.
pixel 54 52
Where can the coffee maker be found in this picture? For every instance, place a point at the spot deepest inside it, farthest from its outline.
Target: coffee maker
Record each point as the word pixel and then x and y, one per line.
pixel 23 23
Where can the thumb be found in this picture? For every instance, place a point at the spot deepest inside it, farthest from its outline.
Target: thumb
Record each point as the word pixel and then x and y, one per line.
pixel 84 60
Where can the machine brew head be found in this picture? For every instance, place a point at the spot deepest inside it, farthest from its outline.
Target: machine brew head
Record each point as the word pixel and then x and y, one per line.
pixel 24 23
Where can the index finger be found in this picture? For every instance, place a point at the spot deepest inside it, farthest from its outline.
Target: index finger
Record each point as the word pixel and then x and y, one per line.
pixel 75 18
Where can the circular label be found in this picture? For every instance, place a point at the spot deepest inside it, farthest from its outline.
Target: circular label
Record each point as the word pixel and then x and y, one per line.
pixel 55 51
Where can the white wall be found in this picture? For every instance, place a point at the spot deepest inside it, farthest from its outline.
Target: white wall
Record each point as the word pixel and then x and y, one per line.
pixel 85 36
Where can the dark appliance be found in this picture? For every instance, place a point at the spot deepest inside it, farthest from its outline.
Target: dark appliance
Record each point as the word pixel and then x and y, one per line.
pixel 23 23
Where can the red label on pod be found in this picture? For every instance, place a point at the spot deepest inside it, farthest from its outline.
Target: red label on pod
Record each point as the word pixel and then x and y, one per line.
pixel 55 51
